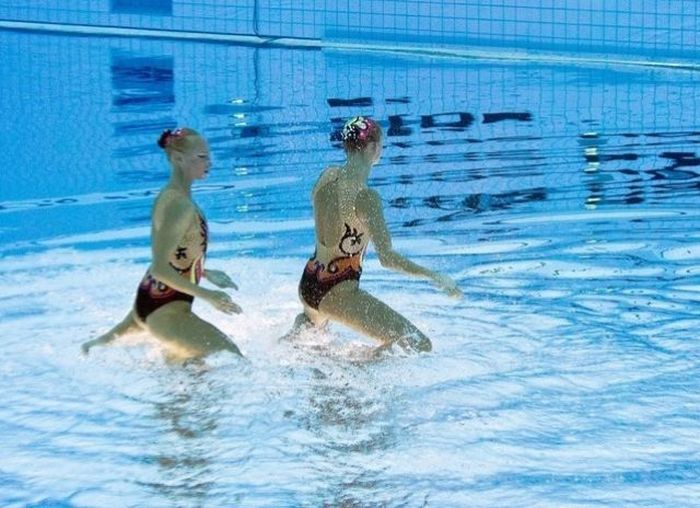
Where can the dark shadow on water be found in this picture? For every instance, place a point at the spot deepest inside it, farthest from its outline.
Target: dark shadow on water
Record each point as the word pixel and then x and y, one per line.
pixel 350 103
pixel 681 159
pixel 458 121
pixel 142 81
pixel 500 117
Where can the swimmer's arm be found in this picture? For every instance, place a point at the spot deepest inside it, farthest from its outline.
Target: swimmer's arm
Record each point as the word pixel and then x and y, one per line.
pixel 369 208
pixel 219 279
pixel 166 236
pixel 178 217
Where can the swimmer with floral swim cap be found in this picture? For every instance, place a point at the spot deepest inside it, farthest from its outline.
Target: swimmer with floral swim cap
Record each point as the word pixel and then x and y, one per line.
pixel 179 239
pixel 348 215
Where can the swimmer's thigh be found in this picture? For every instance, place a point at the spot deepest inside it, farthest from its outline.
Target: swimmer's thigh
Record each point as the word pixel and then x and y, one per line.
pixel 176 324
pixel 359 310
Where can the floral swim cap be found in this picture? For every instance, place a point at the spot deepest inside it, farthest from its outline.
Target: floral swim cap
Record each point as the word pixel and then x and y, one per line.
pixel 359 131
pixel 169 135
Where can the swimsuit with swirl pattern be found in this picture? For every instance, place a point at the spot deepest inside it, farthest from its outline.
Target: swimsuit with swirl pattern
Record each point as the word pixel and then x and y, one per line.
pixel 187 260
pixel 319 278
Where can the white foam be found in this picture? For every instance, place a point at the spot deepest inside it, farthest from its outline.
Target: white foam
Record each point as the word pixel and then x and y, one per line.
pixel 558 269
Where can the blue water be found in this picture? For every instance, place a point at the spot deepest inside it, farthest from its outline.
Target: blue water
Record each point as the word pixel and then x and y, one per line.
pixel 564 199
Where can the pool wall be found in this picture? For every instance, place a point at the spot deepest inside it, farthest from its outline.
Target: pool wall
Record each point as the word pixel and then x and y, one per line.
pixel 646 30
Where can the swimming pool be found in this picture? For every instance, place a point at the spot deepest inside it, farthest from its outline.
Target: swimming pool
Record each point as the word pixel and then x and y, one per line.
pixel 564 199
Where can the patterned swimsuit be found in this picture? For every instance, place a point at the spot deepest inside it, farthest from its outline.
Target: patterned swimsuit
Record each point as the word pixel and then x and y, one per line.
pixel 187 260
pixel 319 278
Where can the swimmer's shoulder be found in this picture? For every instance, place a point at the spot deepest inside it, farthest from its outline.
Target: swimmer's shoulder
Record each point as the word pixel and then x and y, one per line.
pixel 368 198
pixel 330 174
pixel 172 203
pixel 368 204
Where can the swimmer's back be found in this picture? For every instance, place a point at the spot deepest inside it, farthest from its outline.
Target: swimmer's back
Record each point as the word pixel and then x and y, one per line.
pixel 334 212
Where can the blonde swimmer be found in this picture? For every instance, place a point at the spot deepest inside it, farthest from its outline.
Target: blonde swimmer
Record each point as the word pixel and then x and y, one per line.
pixel 179 239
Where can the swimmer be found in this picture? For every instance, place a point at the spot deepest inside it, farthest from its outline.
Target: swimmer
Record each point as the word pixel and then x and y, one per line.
pixel 348 215
pixel 179 238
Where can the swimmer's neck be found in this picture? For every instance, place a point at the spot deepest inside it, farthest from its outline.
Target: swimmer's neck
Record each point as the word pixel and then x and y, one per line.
pixel 179 183
pixel 358 166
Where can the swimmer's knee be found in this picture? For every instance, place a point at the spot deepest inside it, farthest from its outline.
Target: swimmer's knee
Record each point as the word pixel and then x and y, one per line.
pixel 312 318
pixel 302 321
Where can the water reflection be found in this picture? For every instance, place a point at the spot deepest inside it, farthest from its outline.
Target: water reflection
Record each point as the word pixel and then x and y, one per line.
pixel 355 421
pixel 500 117
pixel 447 121
pixel 446 158
pixel 357 102
pixel 186 452
pixel 616 175
pixel 397 127
pixel 143 91
pixel 142 81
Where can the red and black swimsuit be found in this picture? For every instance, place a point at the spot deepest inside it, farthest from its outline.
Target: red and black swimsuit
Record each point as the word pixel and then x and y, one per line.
pixel 187 260
pixel 318 278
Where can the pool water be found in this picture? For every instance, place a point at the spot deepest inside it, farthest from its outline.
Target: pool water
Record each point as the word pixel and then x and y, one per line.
pixel 565 200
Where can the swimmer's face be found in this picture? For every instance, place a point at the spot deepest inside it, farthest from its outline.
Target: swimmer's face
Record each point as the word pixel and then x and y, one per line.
pixel 198 160
pixel 376 150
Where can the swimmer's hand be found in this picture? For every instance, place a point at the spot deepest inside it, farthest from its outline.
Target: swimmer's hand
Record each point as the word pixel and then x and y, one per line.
pixel 85 346
pixel 448 285
pixel 220 279
pixel 221 301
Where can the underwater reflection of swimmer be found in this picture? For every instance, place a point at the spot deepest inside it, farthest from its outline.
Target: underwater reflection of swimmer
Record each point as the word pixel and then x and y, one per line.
pixel 179 237
pixel 348 214
pixel 355 420
pixel 185 451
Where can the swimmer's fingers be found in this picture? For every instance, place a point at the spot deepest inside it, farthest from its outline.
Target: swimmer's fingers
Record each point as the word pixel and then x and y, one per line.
pixel 234 308
pixel 220 279
pixel 454 292
pixel 449 286
pixel 222 301
pixel 226 282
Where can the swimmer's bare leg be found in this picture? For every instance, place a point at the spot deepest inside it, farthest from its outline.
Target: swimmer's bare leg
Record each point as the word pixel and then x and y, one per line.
pixel 364 313
pixel 301 323
pixel 310 318
pixel 177 326
pixel 127 325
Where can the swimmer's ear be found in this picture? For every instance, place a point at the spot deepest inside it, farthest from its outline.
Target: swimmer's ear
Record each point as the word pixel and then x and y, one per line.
pixel 178 157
